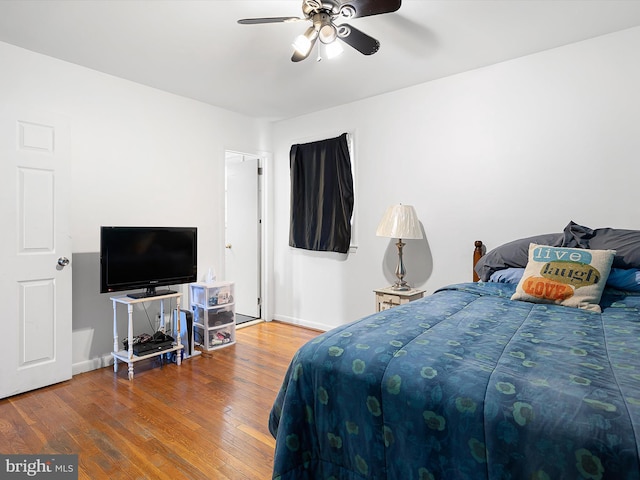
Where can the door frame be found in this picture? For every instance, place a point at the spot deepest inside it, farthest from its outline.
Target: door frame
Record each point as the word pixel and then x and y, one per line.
pixel 263 263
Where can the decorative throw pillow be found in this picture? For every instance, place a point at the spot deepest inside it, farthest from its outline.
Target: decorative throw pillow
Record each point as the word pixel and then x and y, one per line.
pixel 573 277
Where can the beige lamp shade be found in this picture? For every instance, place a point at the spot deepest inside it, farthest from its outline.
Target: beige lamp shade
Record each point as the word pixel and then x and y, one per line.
pixel 400 221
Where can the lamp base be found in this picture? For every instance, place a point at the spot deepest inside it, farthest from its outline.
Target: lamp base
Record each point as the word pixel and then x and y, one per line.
pixel 401 286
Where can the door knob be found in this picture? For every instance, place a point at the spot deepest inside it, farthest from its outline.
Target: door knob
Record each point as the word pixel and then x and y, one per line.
pixel 228 245
pixel 63 261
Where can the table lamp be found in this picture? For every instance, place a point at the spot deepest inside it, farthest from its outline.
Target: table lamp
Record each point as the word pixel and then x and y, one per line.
pixel 400 221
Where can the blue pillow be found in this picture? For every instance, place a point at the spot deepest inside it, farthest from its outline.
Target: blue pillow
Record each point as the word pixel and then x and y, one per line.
pixel 507 275
pixel 624 279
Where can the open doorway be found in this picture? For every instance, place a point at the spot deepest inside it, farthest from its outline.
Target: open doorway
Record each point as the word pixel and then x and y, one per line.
pixel 243 233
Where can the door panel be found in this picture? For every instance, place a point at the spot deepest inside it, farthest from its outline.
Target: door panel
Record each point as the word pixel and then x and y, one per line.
pixel 242 233
pixel 35 210
pixel 36 323
pixel 35 289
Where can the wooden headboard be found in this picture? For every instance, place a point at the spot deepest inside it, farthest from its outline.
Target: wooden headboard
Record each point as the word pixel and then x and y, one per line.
pixel 477 255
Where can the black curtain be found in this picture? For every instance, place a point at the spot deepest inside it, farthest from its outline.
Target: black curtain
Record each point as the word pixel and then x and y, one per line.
pixel 321 195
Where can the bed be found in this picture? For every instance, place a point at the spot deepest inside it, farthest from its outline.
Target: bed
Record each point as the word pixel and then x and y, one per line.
pixel 469 383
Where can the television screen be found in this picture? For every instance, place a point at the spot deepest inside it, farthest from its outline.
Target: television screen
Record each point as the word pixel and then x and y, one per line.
pixel 147 257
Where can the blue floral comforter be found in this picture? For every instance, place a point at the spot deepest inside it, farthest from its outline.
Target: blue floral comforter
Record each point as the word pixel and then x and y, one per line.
pixel 466 384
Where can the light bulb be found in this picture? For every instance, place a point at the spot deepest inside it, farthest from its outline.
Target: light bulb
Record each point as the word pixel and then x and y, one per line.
pixel 333 49
pixel 302 45
pixel 327 34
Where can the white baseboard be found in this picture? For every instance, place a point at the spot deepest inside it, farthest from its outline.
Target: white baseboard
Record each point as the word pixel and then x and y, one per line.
pixel 302 323
pixel 92 364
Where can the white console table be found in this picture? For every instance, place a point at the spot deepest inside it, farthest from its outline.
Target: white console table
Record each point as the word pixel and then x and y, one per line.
pixel 127 356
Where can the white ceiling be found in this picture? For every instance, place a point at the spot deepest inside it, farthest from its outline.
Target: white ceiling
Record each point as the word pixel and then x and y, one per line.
pixel 197 49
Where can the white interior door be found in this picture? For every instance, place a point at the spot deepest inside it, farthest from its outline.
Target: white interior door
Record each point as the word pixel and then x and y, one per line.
pixel 242 233
pixel 35 285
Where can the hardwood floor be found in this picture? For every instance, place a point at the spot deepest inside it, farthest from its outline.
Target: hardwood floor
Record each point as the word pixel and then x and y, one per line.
pixel 206 419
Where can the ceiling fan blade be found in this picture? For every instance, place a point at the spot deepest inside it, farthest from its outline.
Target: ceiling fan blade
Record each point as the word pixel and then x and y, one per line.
pixel 359 40
pixel 254 21
pixel 366 8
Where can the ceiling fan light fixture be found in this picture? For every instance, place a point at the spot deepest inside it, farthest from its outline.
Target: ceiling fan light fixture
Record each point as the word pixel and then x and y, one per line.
pixel 322 14
pixel 303 43
pixel 328 34
pixel 334 49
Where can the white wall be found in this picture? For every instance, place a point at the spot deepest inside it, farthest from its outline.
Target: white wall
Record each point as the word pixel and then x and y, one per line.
pixel 495 154
pixel 139 157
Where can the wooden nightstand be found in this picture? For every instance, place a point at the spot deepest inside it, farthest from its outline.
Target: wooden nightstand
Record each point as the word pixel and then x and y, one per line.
pixel 387 297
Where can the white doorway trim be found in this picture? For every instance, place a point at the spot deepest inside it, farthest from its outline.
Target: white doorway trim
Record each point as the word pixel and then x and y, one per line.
pixel 263 232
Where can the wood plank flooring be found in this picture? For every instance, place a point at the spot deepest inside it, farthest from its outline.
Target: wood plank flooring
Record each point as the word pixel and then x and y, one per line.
pixel 206 419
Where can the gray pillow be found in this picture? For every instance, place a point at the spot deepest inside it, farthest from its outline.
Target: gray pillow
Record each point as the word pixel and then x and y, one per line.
pixel 514 254
pixel 626 243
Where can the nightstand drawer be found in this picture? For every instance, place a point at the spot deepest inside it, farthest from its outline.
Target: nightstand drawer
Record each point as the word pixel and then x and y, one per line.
pixel 387 298
pixel 387 301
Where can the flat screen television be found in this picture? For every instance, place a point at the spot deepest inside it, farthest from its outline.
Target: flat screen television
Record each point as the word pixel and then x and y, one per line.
pixel 146 258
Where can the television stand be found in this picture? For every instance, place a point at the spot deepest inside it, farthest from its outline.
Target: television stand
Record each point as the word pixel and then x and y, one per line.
pixel 127 356
pixel 150 292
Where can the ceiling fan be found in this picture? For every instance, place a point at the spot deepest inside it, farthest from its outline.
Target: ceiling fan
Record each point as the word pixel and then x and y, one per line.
pixel 323 15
